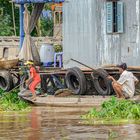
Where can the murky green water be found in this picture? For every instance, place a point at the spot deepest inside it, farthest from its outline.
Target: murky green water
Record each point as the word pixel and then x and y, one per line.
pixel 50 123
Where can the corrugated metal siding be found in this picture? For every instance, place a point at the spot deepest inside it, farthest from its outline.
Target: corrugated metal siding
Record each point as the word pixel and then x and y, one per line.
pixel 108 46
pixel 85 37
pixel 130 40
pixel 79 32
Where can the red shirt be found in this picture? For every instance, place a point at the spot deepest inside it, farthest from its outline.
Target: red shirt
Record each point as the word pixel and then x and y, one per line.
pixel 34 74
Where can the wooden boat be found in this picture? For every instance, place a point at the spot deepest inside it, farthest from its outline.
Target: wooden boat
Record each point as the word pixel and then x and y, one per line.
pixel 7 64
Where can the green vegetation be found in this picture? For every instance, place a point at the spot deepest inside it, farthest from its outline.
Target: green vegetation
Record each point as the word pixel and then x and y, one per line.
pixel 114 110
pixel 58 48
pixel 11 102
pixel 1 92
pixel 6 20
pixel 46 27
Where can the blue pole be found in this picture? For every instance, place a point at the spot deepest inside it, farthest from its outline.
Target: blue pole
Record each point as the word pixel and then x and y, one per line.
pixel 21 25
pixel 36 1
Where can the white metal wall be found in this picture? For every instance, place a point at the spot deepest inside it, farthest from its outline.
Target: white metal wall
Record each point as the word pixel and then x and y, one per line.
pixel 79 32
pixel 85 37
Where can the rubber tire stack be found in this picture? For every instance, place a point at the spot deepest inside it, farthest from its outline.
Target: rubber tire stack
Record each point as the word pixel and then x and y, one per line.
pixel 75 75
pixel 6 80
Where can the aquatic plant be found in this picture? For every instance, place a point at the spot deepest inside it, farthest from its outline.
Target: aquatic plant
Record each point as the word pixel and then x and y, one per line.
pixel 11 102
pixel 115 109
pixel 1 92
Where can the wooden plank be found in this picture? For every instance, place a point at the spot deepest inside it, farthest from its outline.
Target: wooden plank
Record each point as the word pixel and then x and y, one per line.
pixel 113 66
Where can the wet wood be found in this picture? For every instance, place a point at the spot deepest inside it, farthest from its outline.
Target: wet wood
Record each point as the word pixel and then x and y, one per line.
pixel 81 101
pixel 115 67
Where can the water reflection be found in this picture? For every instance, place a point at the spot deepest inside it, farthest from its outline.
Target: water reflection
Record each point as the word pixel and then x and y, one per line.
pixel 50 123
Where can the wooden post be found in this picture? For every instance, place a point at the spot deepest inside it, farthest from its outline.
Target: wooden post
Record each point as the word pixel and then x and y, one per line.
pixel 13 15
pixel 59 17
pixel 54 17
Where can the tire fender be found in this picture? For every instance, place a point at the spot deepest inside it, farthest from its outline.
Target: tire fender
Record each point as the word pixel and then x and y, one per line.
pixel 76 81
pixel 101 83
pixel 6 80
pixel 23 86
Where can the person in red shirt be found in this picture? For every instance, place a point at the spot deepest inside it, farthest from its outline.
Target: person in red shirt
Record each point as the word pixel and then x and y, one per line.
pixel 34 78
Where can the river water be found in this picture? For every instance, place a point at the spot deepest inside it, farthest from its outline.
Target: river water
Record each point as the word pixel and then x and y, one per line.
pixel 60 123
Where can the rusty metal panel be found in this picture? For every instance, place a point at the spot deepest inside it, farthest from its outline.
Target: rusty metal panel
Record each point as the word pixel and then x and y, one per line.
pixel 85 37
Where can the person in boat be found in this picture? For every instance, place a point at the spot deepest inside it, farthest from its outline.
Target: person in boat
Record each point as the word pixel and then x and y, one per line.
pixel 34 78
pixel 124 87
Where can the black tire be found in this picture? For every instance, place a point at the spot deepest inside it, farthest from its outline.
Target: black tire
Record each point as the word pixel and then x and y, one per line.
pixel 23 86
pixel 101 83
pixel 76 81
pixel 16 79
pixel 101 72
pixel 6 81
pixel 44 83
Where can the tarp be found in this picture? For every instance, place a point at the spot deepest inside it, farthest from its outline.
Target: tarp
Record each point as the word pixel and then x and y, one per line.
pixel 26 52
pixel 29 50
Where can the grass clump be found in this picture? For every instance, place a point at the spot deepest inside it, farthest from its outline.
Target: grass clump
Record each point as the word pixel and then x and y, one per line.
pixel 115 109
pixel 11 102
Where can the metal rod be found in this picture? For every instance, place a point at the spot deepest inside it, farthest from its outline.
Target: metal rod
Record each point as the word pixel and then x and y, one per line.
pixel 83 64
pixel 12 89
pixel 37 1
pixel 15 87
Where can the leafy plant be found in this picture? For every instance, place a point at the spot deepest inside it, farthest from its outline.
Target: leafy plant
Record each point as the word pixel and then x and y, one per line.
pixel 115 109
pixel 6 21
pixel 58 48
pixel 46 27
pixel 5 28
pixel 11 102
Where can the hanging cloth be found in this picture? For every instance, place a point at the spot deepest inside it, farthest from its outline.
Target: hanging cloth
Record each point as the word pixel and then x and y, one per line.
pixel 29 50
